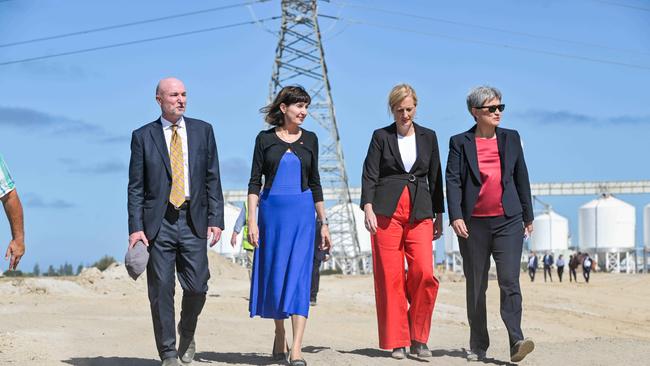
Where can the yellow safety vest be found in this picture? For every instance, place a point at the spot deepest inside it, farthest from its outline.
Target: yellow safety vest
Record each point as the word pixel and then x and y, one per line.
pixel 244 241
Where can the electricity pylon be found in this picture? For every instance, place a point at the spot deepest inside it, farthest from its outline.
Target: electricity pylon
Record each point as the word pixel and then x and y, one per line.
pixel 299 59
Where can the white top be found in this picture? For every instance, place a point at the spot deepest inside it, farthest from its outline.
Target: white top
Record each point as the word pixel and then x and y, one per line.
pixel 408 150
pixel 182 133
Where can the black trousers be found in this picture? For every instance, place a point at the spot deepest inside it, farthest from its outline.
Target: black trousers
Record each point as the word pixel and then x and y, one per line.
pixel 548 269
pixel 501 237
pixel 531 273
pixel 560 272
pixel 586 273
pixel 176 248
pixel 573 273
pixel 319 255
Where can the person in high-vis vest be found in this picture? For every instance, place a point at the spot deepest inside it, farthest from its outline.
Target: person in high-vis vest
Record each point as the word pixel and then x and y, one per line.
pixel 240 225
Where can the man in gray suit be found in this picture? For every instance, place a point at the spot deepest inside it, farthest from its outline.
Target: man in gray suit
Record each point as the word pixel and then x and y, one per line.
pixel 175 204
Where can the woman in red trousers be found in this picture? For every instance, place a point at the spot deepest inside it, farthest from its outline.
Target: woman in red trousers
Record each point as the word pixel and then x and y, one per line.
pixel 402 198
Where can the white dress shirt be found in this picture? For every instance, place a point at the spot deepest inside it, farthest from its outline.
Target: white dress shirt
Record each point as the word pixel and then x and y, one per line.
pixel 407 150
pixel 182 133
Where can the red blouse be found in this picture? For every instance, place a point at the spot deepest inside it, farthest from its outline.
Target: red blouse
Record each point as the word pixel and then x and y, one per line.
pixel 489 164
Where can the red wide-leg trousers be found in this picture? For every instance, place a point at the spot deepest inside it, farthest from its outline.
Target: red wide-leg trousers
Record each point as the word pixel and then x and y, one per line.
pixel 404 300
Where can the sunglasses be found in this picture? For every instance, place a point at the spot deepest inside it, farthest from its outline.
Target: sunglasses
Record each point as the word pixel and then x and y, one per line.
pixel 493 108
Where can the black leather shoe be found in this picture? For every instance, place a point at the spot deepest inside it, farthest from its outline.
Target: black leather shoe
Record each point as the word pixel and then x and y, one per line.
pixel 521 349
pixel 279 356
pixel 476 355
pixel 186 347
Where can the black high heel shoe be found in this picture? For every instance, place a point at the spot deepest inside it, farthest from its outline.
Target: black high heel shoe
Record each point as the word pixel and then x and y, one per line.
pixel 279 356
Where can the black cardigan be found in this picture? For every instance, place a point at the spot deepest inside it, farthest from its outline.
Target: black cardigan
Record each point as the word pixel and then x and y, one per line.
pixel 268 152
pixel 384 177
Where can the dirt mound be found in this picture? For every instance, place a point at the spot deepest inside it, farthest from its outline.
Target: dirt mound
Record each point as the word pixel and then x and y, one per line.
pixel 222 267
pixel 42 286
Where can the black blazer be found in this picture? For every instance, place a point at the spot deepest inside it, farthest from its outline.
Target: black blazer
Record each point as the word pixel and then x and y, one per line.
pixel 464 179
pixel 150 178
pixel 268 152
pixel 384 176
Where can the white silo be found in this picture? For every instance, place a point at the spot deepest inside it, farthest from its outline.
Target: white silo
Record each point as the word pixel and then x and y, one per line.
pixel 451 239
pixel 606 224
pixel 223 247
pixel 646 226
pixel 551 233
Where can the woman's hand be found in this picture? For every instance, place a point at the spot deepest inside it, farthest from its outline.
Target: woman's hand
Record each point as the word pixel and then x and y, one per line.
pixel 459 228
pixel 253 234
pixel 528 229
pixel 371 220
pixel 326 242
pixel 437 227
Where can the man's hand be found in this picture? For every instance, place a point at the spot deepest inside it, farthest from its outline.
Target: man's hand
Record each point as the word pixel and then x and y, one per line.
pixel 15 251
pixel 459 228
pixel 137 236
pixel 216 234
pixel 233 239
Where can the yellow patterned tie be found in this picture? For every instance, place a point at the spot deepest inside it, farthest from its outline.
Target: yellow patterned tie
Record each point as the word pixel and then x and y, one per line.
pixel 177 194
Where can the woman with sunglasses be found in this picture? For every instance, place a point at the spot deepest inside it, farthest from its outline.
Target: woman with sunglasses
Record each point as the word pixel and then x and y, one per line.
pixel 491 211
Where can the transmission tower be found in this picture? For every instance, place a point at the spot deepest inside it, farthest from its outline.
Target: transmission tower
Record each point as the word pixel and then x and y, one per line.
pixel 299 59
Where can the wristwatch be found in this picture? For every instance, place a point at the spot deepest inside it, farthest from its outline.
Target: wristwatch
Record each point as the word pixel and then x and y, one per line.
pixel 323 222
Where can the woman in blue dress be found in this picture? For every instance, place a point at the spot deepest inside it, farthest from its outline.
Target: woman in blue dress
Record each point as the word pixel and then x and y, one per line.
pixel 290 205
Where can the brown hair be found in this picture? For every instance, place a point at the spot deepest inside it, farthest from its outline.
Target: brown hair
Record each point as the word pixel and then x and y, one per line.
pixel 288 95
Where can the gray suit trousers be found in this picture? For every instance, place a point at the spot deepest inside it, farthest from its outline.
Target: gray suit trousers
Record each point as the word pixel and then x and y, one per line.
pixel 176 248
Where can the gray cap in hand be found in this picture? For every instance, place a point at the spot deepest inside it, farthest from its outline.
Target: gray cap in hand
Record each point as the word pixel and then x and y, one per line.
pixel 136 259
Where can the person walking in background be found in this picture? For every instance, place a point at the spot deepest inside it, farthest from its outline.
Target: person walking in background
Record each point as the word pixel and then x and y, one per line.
pixel 573 266
pixel 242 225
pixel 547 260
pixel 491 211
pixel 532 266
pixel 175 204
pixel 290 205
pixel 402 198
pixel 320 256
pixel 587 264
pixel 560 267
pixel 14 211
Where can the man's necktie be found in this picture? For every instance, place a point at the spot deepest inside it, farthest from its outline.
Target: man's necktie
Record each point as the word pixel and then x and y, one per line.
pixel 177 194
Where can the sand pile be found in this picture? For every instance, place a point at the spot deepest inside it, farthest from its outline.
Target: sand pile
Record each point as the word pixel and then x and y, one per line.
pixel 42 286
pixel 222 267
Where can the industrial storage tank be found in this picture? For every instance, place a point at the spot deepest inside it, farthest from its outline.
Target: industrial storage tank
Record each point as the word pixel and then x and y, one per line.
pixel 606 224
pixel 551 233
pixel 223 247
pixel 451 239
pixel 646 225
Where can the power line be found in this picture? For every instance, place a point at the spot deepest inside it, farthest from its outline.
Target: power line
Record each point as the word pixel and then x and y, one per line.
pixel 494 29
pixel 124 25
pixel 622 5
pixel 115 45
pixel 501 45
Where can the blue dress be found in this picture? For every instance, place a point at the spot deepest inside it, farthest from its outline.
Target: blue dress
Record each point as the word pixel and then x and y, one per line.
pixel 281 278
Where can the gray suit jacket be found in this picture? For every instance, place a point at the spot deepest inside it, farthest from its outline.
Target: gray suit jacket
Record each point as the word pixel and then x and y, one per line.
pixel 150 178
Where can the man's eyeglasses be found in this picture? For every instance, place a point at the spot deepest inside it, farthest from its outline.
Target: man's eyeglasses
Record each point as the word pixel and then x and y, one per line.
pixel 493 108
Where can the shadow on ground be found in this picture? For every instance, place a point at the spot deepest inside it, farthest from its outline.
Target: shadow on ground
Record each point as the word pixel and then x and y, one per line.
pixel 111 361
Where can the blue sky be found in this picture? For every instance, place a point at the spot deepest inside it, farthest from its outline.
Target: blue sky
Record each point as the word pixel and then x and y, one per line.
pixel 574 77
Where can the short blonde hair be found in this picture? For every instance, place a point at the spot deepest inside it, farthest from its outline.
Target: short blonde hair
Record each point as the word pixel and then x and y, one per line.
pixel 399 93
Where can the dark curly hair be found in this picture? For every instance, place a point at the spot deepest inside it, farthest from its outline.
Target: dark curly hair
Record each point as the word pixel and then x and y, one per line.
pixel 288 95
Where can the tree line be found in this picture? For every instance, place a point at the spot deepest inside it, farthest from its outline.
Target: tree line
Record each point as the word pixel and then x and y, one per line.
pixel 65 269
